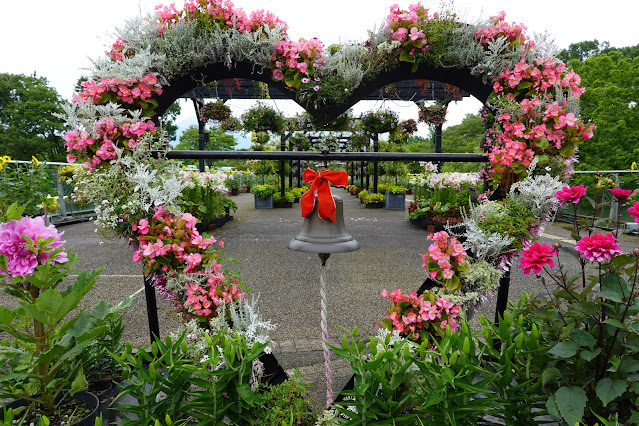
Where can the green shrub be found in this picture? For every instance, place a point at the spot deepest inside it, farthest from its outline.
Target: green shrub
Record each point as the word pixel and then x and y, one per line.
pixel 263 191
pixel 374 198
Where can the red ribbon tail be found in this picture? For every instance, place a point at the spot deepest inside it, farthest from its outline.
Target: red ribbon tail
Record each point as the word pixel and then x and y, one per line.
pixel 326 208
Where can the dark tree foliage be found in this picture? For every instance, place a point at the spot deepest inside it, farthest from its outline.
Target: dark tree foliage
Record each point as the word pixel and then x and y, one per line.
pixel 583 50
pixel 610 101
pixel 28 126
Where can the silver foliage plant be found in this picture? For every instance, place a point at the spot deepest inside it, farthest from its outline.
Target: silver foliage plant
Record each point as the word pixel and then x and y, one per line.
pixel 484 245
pixel 537 193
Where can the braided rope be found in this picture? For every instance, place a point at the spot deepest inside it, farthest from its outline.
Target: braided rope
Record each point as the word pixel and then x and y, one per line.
pixel 323 324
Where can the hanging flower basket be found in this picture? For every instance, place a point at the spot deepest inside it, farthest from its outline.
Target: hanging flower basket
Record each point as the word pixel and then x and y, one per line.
pixel 231 124
pixel 359 139
pixel 434 115
pixel 263 118
pixel 215 111
pixel 299 142
pixel 382 121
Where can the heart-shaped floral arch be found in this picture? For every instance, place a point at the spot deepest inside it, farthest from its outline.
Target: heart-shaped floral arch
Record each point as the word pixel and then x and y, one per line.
pixel 531 100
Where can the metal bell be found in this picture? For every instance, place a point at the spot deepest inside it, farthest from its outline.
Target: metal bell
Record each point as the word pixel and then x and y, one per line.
pixel 324 236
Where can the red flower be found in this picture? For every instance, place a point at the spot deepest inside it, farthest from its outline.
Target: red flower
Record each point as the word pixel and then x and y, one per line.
pixel 621 194
pixel 599 247
pixel 571 194
pixel 536 257
pixel 634 211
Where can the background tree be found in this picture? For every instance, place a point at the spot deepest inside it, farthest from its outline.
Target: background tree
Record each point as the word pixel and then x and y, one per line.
pixel 462 138
pixel 583 50
pixel 218 141
pixel 28 126
pixel 168 121
pixel 610 101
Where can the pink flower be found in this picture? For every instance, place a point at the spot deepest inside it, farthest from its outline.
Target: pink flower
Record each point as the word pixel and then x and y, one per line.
pixel 316 88
pixel 278 75
pixel 598 247
pixel 621 194
pixel 634 211
pixel 536 257
pixel 21 258
pixel 571 194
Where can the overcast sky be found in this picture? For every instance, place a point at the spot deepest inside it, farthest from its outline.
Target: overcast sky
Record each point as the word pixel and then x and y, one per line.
pixel 55 39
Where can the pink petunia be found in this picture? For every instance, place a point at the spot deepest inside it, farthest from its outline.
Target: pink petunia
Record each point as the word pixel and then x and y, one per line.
pixel 599 247
pixel 536 257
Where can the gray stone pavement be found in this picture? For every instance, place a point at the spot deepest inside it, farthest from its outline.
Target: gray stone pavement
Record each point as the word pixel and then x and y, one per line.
pixel 287 282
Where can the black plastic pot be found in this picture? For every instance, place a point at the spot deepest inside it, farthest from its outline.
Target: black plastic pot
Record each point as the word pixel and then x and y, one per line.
pixel 85 397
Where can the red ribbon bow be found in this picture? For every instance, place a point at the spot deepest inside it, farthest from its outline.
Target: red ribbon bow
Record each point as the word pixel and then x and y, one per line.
pixel 326 208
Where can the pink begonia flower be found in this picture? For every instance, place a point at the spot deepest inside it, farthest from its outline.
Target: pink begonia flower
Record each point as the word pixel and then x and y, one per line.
pixel 302 66
pixel 193 259
pixel 22 262
pixel 634 211
pixel 598 247
pixel 571 194
pixel 400 34
pixel 536 257
pixel 621 194
pixel 415 33
pixel 278 75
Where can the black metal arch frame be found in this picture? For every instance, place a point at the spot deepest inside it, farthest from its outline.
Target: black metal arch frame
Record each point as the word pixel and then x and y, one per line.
pixel 461 78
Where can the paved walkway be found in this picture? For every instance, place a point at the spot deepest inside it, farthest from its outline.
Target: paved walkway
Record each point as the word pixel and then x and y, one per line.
pixel 287 282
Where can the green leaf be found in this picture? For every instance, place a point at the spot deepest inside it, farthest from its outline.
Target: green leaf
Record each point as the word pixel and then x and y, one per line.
pixel 613 288
pixel 564 349
pixel 571 402
pixel 246 393
pixel 405 57
pixel 550 375
pixel 589 355
pixel 609 389
pixel 542 143
pixel 614 323
pixel 629 365
pixel 79 383
pixel 551 406
pixel 582 338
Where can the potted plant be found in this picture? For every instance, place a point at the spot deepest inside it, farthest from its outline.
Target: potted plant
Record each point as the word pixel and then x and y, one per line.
pixel 42 366
pixel 396 198
pixel 234 183
pixel 362 194
pixel 297 193
pixel 375 201
pixel 286 202
pixel 263 196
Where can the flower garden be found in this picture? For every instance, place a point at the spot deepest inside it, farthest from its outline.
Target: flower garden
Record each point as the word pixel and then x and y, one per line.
pixel 567 355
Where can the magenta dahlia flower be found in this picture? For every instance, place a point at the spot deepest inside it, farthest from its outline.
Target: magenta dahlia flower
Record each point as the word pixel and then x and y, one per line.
pixel 21 261
pixel 571 194
pixel 598 247
pixel 621 194
pixel 536 257
pixel 634 211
